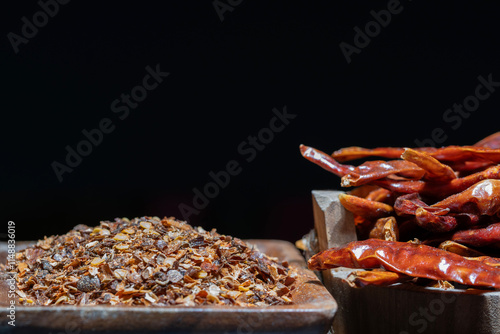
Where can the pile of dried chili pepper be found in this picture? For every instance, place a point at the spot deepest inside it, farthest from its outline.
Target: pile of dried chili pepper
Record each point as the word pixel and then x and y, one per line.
pixel 429 215
pixel 149 261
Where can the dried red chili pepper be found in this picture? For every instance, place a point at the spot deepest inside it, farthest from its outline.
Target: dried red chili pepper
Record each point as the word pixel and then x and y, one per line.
pixel 433 222
pixel 365 208
pixel 464 168
pixel 435 170
pixel 482 198
pixel 376 277
pixel 466 153
pixel 492 141
pixel 401 186
pixel 432 190
pixel 409 259
pixel 356 152
pixel 408 205
pixel 450 153
pixel 369 171
pixel 377 231
pixel 385 229
pixel 379 195
pixel 455 247
pixel 430 218
pixel 488 260
pixel 374 170
pixel 438 190
pixel 479 237
pixel 325 161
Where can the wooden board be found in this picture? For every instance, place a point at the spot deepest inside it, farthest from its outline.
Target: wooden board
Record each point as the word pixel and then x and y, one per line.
pixel 401 308
pixel 312 311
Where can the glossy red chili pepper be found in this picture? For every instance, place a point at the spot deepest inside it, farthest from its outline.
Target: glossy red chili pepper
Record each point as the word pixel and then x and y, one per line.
pixel 377 278
pixel 408 259
pixel 356 152
pixel 455 247
pixel 385 229
pixel 369 171
pixel 427 195
pixel 409 203
pixel 488 260
pixel 483 198
pixel 379 195
pixel 479 237
pixel 365 208
pixel 438 189
pixel 374 170
pixel 449 153
pixel 325 161
pixel 435 170
pixel 466 153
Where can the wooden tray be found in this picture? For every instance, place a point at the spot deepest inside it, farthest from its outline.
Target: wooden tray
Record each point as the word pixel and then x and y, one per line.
pixel 312 312
pixel 401 308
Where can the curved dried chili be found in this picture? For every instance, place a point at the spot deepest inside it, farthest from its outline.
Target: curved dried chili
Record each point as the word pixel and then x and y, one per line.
pixel 408 259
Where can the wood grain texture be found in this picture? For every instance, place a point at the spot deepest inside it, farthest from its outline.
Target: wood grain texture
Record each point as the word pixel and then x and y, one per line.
pixel 401 308
pixel 334 225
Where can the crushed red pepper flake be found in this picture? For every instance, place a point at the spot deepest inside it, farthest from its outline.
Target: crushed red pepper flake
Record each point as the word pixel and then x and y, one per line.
pixel 149 261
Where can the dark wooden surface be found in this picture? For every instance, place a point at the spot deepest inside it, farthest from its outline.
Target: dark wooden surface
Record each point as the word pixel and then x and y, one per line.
pixel 312 312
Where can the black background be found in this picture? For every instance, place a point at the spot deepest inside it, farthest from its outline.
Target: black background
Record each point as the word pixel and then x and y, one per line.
pixel 225 79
